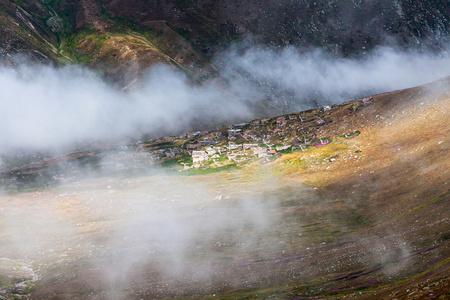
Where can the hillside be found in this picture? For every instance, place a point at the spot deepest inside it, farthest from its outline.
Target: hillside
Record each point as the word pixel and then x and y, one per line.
pixel 120 39
pixel 320 199
pixel 78 32
pixel 346 201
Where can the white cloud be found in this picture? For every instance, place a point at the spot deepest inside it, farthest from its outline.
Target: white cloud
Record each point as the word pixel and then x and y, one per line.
pixel 330 79
pixel 45 107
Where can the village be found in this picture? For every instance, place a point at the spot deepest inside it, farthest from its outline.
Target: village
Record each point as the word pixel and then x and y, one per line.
pixel 262 139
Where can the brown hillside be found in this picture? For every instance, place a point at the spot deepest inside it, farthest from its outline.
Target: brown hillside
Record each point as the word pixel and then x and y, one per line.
pixel 364 216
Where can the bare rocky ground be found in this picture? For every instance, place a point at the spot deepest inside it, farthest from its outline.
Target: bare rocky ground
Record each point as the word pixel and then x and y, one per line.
pixel 16 278
pixel 363 218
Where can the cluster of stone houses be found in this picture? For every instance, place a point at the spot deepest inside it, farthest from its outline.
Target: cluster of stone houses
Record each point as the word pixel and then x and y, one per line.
pixel 261 135
pixel 235 152
pixel 210 152
pixel 260 139
pixel 158 154
pixel 205 149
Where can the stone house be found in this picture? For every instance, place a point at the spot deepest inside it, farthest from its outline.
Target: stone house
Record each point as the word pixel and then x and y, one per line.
pixel 367 100
pixel 261 152
pixel 192 146
pixel 232 146
pixel 281 121
pixel 210 150
pixel 206 141
pixel 172 152
pixel 198 156
pixel 320 122
pixel 234 132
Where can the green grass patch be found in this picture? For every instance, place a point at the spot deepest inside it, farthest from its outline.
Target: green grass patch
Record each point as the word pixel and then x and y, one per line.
pixel 163 145
pixel 352 134
pixel 185 158
pixel 72 42
pixel 170 163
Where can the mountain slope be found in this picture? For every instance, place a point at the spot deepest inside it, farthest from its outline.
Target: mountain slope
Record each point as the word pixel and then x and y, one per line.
pixel 358 209
pixel 22 31
pixel 189 33
pixel 346 25
pixel 76 32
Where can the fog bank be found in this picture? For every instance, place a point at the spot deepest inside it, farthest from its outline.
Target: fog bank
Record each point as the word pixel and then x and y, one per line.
pixel 51 108
pixel 316 77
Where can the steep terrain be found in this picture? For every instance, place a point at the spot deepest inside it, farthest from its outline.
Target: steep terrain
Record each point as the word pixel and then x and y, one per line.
pixel 347 201
pixel 345 26
pixel 187 34
pixel 78 32
pixel 22 31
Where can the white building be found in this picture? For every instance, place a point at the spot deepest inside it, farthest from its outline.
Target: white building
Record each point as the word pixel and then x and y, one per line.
pixel 198 156
pixel 261 152
pixel 210 150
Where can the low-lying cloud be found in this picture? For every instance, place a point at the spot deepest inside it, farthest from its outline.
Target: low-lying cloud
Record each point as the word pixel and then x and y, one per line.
pixel 105 233
pixel 45 107
pixel 321 76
